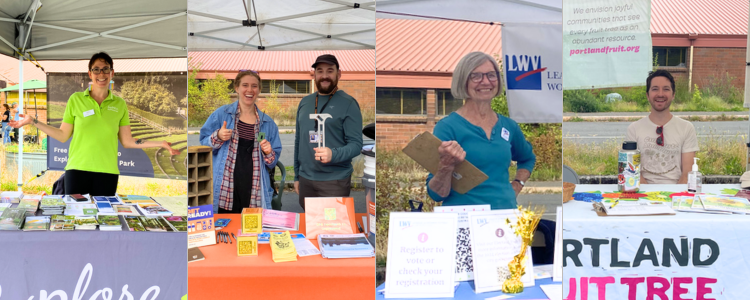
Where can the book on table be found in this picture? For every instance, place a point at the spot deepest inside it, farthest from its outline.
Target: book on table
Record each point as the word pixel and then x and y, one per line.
pixel 126 210
pixel 109 223
pixel 30 204
pixel 153 210
pixel 52 205
pixel 36 223
pixel 12 219
pixel 179 223
pixel 86 223
pixel 62 223
pixel 329 215
pixel 11 197
pixel 133 223
pixel 195 254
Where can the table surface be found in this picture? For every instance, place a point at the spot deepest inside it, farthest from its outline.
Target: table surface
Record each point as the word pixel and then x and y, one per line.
pixel 583 211
pixel 223 273
pixel 465 291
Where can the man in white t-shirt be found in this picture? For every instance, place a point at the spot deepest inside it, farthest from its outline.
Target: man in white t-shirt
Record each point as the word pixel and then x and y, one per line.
pixel 667 143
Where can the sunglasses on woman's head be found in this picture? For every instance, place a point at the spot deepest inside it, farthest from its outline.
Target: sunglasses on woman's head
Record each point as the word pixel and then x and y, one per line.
pixel 660 139
pixel 256 72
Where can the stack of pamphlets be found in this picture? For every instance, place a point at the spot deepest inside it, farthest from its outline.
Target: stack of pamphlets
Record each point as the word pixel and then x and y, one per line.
pixel 179 223
pixel 715 203
pixel 3 206
pixel 30 204
pixel 36 223
pixel 81 209
pixel 153 209
pixel 133 223
pixel 265 237
pixel 345 245
pixel 126 210
pixel 11 197
pixel 104 206
pixel 62 223
pixel 274 220
pixel 109 223
pixel 52 205
pixel 282 247
pixel 304 247
pixel 12 219
pixel 158 224
pixel 125 198
pixel 112 200
pixel 86 223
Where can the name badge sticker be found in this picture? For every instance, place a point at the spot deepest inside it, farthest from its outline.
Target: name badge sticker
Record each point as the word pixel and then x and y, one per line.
pixel 505 134
pixel 88 113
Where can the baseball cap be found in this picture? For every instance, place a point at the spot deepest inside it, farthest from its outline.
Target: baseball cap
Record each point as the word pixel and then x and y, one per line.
pixel 328 59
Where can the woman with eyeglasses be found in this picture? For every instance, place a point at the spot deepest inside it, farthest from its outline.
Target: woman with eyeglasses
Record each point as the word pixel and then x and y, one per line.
pixel 245 142
pixel 477 134
pixel 94 121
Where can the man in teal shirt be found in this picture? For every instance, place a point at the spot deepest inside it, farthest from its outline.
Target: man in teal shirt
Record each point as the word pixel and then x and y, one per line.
pixel 326 171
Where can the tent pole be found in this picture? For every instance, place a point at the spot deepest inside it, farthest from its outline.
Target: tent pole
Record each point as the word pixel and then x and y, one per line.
pixel 20 130
pixel 36 116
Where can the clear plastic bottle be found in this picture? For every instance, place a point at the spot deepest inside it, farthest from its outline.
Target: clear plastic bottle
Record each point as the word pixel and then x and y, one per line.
pixel 694 178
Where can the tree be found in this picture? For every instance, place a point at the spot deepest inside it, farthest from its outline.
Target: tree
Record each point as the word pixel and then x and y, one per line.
pixel 150 94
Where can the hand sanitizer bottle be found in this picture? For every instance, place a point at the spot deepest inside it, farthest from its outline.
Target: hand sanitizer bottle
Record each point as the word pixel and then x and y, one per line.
pixel 694 178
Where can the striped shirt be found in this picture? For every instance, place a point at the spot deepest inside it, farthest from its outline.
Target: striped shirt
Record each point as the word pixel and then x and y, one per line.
pixel 246 131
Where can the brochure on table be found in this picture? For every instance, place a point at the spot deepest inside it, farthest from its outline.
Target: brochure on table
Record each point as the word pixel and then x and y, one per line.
pixel 494 245
pixel 464 263
pixel 421 255
pixel 557 264
pixel 201 230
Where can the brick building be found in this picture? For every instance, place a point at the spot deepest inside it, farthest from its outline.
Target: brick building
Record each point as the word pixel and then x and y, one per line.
pixel 292 71
pixel 701 41
pixel 415 62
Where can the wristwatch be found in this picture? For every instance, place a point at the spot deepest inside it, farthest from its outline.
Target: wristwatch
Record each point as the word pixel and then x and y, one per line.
pixel 521 182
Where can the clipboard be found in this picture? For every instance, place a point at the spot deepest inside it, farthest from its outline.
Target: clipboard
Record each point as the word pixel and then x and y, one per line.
pixel 424 150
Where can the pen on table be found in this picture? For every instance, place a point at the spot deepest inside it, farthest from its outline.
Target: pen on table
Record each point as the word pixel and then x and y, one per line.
pixel 359 226
pixel 615 204
pixel 224 236
pixel 234 236
pixel 228 237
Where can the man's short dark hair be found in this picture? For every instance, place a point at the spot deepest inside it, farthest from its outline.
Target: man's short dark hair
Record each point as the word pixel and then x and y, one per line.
pixel 658 73
pixel 103 56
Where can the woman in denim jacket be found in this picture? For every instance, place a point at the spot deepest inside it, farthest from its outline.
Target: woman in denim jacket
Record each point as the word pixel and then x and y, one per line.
pixel 240 153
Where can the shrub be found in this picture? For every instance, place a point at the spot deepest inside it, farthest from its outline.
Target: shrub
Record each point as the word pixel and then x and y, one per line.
pixel 581 101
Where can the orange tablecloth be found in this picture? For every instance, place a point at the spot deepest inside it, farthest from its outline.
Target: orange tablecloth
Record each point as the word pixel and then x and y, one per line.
pixel 224 275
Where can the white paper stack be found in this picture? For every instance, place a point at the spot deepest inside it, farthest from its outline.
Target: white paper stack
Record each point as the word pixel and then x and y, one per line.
pixel 11 197
pixel 345 245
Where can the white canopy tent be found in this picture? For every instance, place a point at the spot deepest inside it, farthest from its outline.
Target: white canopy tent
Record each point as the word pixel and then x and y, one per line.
pixel 281 25
pixel 75 29
pixel 504 11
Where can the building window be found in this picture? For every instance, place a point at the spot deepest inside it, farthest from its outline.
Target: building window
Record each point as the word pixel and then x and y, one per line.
pixel 446 104
pixel 670 56
pixel 401 101
pixel 286 86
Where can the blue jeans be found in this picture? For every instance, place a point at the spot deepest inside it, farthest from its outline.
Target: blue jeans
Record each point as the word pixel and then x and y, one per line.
pixel 6 132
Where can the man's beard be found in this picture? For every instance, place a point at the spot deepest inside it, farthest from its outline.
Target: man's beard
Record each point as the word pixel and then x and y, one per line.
pixel 332 85
pixel 657 110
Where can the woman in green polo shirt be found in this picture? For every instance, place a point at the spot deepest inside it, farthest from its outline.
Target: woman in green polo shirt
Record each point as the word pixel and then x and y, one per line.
pixel 95 119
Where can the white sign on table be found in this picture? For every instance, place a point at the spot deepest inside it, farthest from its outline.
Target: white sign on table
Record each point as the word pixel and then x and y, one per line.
pixel 464 264
pixel 493 245
pixel 421 255
pixel 606 43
